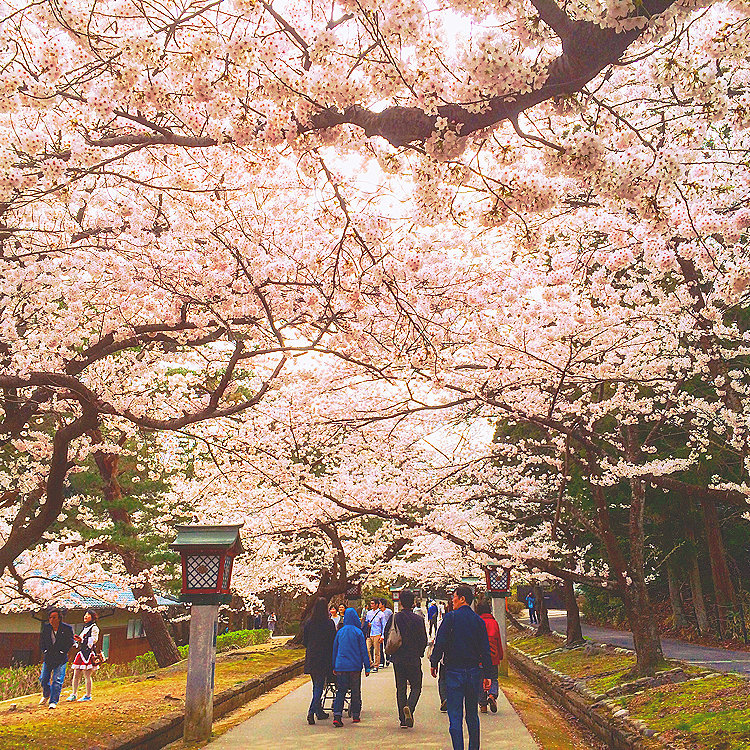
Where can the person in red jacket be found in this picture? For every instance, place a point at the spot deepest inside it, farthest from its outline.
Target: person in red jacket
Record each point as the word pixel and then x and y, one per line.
pixel 484 610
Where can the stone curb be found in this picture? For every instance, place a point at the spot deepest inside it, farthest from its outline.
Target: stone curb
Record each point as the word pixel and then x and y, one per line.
pixel 169 727
pixel 602 718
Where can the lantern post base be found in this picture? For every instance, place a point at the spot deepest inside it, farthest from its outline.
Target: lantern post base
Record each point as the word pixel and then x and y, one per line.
pixel 498 612
pixel 199 692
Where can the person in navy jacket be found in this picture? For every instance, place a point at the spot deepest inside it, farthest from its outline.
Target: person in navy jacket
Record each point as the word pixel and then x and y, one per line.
pixel 349 657
pixel 55 640
pixel 462 641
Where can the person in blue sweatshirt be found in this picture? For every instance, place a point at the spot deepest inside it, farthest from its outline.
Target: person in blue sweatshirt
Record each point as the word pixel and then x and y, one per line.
pixel 349 657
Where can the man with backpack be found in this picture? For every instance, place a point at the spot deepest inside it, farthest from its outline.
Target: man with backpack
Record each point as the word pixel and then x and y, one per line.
pixel 462 640
pixel 409 629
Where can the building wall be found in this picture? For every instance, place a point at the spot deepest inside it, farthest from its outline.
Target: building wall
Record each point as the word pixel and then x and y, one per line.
pixel 19 632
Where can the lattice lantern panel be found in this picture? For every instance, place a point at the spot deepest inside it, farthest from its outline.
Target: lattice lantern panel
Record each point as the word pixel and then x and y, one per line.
pixel 203 571
pixel 498 579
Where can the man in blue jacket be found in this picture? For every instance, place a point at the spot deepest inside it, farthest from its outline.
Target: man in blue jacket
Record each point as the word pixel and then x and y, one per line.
pixel 349 656
pixel 463 643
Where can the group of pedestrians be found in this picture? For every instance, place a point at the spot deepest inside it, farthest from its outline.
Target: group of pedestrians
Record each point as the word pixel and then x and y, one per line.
pixel 465 657
pixel 56 638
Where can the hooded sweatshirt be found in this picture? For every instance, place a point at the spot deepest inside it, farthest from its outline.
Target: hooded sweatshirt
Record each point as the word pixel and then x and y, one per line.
pixel 349 647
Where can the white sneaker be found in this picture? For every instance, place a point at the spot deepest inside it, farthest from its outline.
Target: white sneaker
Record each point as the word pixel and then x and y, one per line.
pixel 72 697
pixel 53 705
pixel 43 700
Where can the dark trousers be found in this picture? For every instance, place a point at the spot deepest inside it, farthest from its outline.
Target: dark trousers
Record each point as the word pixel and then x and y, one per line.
pixel 407 672
pixel 348 681
pixel 442 691
pixel 319 680
pixel 494 686
pixel 533 616
pixel 433 625
pixel 464 686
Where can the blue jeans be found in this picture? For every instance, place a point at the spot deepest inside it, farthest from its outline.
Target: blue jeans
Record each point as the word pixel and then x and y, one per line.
pixel 348 681
pixel 52 681
pixel 318 686
pixel 463 688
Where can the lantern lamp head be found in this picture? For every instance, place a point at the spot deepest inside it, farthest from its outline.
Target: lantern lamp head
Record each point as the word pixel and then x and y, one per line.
pixel 207 554
pixel 498 579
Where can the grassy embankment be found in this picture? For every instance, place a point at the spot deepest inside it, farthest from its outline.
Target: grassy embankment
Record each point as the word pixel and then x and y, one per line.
pixel 711 711
pixel 124 703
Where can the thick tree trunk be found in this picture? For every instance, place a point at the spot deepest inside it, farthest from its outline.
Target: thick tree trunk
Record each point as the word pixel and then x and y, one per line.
pixel 696 593
pixel 678 613
pixel 645 634
pixel 543 627
pixel 723 588
pixel 574 635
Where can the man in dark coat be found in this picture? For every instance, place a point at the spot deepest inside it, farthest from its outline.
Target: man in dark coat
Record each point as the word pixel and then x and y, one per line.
pixel 407 660
pixel 462 639
pixel 55 640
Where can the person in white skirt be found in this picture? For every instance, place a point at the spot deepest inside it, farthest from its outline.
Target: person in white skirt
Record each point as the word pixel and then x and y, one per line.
pixel 85 661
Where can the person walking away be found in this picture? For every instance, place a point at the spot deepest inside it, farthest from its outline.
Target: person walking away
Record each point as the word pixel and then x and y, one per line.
pixel 85 661
pixel 318 632
pixel 272 622
pixel 432 618
pixel 55 640
pixel 531 604
pixel 484 610
pixel 387 614
pixel 462 640
pixel 407 660
pixel 349 658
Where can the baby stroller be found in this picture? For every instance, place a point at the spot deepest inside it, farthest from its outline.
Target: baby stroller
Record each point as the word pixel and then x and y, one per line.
pixel 329 695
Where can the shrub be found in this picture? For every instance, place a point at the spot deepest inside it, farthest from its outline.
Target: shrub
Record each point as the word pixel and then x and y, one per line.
pixel 515 607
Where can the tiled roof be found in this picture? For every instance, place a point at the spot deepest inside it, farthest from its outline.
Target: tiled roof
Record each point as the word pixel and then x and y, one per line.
pixel 115 596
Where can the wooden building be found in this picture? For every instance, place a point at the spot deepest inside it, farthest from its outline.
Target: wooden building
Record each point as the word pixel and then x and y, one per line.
pixel 122 637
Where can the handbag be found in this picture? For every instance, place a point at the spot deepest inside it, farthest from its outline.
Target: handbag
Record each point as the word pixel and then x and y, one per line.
pixel 394 641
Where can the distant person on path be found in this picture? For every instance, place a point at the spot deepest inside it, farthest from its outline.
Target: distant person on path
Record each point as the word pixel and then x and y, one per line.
pixel 376 634
pixel 367 618
pixel 272 622
pixel 531 604
pixel 484 610
pixel 462 639
pixel 386 613
pixel 318 632
pixel 349 658
pixel 85 660
pixel 334 615
pixel 407 661
pixel 55 640
pixel 432 618
pixel 258 621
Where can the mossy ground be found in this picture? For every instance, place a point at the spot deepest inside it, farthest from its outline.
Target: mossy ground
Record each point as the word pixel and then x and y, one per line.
pixel 708 713
pixel 581 665
pixel 536 645
pixel 121 704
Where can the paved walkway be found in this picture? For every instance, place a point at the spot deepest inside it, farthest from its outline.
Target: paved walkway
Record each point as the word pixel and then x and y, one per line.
pixel 284 726
pixel 720 659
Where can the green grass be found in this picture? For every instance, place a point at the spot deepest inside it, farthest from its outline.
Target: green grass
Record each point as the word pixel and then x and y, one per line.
pixel 702 714
pixel 122 704
pixel 581 665
pixel 537 645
